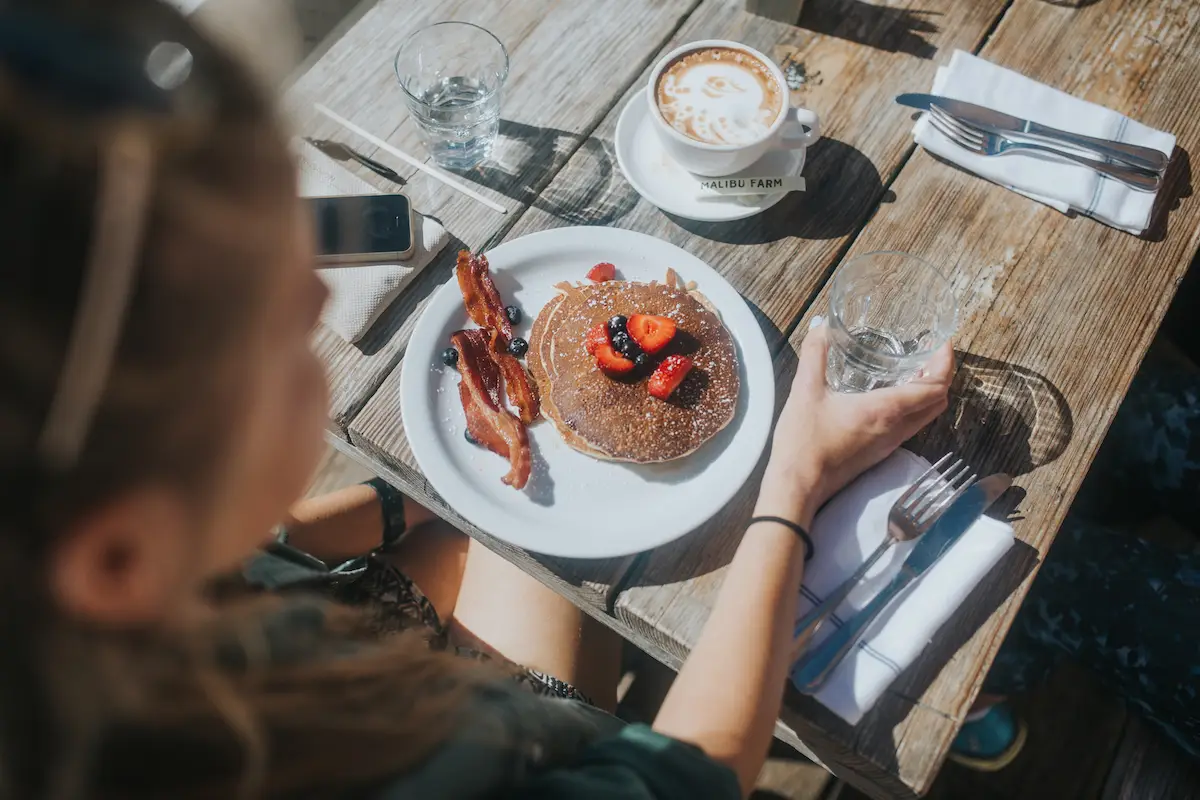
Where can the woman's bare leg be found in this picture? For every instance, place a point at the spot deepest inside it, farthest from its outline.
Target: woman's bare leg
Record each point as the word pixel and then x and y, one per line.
pixel 503 611
pixel 433 555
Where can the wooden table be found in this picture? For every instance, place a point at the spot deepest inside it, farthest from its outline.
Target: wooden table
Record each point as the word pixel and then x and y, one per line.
pixel 1057 312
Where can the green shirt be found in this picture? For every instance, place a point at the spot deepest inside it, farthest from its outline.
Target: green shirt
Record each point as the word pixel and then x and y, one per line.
pixel 637 764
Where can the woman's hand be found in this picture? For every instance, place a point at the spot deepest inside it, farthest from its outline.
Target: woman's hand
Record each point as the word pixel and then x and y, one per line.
pixel 824 440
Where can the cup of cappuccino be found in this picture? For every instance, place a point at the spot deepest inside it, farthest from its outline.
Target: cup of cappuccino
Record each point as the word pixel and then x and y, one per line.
pixel 719 106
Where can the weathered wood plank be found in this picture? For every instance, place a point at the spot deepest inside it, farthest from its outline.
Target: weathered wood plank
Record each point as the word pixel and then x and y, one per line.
pixel 560 85
pixel 778 259
pixel 806 231
pixel 781 10
pixel 1057 314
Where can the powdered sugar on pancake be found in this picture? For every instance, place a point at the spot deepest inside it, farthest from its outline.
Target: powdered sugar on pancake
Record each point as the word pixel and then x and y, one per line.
pixel 617 419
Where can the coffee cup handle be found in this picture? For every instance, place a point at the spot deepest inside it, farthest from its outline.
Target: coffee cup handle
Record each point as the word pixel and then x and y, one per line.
pixel 800 118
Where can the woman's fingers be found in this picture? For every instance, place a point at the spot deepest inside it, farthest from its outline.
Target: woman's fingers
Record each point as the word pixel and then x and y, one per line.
pixel 814 351
pixel 940 368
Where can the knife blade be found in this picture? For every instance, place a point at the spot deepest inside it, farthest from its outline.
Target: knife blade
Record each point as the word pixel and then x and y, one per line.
pixel 993 121
pixel 811 672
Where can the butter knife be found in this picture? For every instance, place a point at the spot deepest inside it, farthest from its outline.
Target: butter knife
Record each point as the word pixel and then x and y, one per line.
pixel 1146 158
pixel 816 665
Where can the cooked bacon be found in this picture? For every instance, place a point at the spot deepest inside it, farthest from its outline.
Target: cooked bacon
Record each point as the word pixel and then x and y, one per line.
pixel 488 421
pixel 522 392
pixel 483 302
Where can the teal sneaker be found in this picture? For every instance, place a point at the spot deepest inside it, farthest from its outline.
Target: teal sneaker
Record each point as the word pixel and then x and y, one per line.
pixel 990 742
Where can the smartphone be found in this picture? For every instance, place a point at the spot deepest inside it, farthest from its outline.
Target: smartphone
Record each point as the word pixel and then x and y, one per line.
pixel 362 229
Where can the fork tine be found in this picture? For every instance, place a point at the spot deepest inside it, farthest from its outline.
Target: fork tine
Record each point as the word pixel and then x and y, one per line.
pixel 954 486
pixel 928 519
pixel 955 138
pixel 965 128
pixel 932 488
pixel 946 482
pixel 902 500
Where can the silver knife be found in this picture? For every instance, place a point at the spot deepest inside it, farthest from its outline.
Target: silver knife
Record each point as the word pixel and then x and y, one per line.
pixel 813 669
pixel 1146 158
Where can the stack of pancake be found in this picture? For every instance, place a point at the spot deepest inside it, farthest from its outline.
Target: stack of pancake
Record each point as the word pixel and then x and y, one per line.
pixel 615 417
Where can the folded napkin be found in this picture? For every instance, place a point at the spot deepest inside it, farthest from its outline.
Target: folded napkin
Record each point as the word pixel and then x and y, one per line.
pixel 844 533
pixel 359 295
pixel 1059 184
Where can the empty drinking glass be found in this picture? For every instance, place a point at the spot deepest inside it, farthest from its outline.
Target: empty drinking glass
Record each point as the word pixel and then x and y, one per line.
pixel 888 313
pixel 452 74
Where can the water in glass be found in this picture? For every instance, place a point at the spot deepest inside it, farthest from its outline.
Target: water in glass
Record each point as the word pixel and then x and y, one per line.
pixel 888 312
pixel 453 75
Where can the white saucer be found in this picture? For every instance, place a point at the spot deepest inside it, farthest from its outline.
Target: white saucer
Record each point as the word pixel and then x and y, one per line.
pixel 669 186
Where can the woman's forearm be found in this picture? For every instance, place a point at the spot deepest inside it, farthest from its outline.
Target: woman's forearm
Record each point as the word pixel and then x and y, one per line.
pixel 345 523
pixel 728 694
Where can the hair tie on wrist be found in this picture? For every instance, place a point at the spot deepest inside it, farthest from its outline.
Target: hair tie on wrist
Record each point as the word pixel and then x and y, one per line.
pixel 796 528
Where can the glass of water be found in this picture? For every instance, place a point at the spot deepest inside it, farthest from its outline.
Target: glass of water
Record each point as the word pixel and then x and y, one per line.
pixel 888 313
pixel 453 74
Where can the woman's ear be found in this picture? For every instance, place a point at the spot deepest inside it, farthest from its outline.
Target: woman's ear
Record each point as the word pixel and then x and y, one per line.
pixel 126 561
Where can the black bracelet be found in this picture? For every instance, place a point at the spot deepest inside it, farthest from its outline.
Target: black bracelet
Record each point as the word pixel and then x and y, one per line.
pixel 392 502
pixel 795 528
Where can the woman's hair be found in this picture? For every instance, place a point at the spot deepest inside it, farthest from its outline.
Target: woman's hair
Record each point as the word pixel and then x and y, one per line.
pixel 194 713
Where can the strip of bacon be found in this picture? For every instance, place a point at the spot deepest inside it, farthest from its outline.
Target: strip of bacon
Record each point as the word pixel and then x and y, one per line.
pixel 481 299
pixel 522 392
pixel 487 420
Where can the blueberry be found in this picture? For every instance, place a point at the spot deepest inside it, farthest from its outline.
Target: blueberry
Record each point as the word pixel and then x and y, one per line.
pixel 518 347
pixel 624 344
pixel 513 313
pixel 617 324
pixel 450 356
pixel 642 362
pixel 470 439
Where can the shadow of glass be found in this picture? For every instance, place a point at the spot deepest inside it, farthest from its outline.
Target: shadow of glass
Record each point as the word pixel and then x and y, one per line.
pixel 843 187
pixel 521 167
pixel 895 30
pixel 1002 418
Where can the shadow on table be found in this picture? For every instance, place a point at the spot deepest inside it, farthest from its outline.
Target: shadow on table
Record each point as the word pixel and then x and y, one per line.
pixel 589 193
pixel 843 187
pixel 1002 418
pixel 1177 184
pixel 896 30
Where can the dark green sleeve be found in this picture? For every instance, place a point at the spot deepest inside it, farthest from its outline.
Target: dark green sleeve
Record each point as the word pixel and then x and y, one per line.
pixel 638 764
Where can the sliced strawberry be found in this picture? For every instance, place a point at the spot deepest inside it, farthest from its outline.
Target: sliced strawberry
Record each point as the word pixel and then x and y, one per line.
pixel 602 272
pixel 669 375
pixel 596 337
pixel 611 361
pixel 650 332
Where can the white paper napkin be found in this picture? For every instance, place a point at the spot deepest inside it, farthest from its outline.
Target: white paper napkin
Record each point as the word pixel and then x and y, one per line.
pixel 359 295
pixel 844 533
pixel 1058 184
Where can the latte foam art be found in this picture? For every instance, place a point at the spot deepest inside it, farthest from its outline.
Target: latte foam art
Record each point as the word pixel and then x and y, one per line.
pixel 719 96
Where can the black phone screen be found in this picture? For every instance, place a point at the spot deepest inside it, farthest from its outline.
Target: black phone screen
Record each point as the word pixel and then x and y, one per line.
pixel 352 225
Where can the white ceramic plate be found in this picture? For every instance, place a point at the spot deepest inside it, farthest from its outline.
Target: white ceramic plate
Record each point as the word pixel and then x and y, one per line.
pixel 659 179
pixel 576 506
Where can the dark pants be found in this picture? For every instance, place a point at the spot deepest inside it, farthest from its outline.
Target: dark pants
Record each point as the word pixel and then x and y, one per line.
pixel 1123 608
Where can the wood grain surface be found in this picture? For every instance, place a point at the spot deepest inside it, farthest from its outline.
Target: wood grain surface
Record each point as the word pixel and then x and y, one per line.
pixel 1057 313
pixel 561 83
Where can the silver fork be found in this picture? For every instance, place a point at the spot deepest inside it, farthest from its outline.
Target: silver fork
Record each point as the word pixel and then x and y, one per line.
pixel 913 513
pixel 984 143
